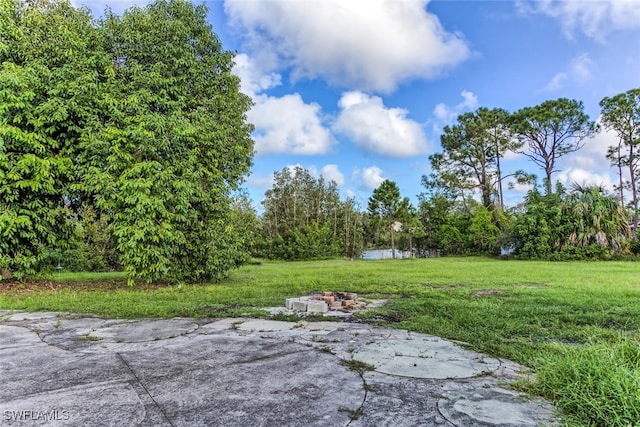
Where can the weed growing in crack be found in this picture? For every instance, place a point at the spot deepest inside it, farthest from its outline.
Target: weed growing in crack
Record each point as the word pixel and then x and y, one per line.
pixel 354 414
pixel 358 366
pixel 327 349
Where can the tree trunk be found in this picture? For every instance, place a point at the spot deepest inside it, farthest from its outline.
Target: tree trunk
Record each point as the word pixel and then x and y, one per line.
pixel 547 183
pixel 486 196
pixel 620 175
pixel 634 192
pixel 499 172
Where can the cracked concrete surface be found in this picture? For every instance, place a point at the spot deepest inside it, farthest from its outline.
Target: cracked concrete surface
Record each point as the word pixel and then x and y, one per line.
pixel 78 370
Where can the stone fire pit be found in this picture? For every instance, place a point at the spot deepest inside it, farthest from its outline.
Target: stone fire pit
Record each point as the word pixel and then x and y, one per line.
pixel 322 303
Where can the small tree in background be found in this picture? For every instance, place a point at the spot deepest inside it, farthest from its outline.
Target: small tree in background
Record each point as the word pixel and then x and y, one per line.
pixel 387 210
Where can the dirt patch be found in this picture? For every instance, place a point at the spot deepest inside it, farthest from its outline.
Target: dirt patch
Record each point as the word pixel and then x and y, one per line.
pixel 487 292
pixel 26 287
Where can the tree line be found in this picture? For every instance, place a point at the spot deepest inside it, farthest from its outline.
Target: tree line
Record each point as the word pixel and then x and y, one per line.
pixel 124 143
pixel 557 223
pixel 462 210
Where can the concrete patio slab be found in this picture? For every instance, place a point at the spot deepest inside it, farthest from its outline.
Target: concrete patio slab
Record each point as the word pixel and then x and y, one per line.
pixel 425 358
pixel 74 370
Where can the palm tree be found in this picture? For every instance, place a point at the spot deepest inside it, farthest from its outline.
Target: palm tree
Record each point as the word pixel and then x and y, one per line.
pixel 596 217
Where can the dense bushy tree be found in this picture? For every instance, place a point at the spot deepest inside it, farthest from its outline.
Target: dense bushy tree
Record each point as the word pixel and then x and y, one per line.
pixel 455 228
pixel 49 64
pixel 244 217
pixel 172 144
pixel 92 246
pixel 583 223
pixel 484 234
pixel 537 229
pixel 434 216
pixel 138 116
pixel 594 217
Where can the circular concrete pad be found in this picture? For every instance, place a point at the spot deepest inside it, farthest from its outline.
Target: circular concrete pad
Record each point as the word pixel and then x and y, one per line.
pixel 493 407
pixel 140 331
pixel 424 358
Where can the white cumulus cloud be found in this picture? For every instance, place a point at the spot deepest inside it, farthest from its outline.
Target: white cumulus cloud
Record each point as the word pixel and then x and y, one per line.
pixel 593 18
pixel 329 172
pixel 370 177
pixel 372 45
pixel 446 115
pixel 379 129
pixel 260 181
pixel 289 125
pixel 253 80
pixel 332 173
pixel 282 124
pixel 571 176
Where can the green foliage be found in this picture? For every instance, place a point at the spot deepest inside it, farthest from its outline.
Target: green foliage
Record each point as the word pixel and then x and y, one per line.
pixel 472 150
pixel 621 114
pixel 311 241
pixel 595 218
pixel 305 219
pixel 91 247
pixel 552 130
pixel 389 213
pixel 483 232
pixel 137 117
pixel 47 50
pixel 245 220
pixel 172 150
pixel 584 224
pixel 456 228
pixel 412 229
pixel 597 384
pixel 434 216
pixel 536 231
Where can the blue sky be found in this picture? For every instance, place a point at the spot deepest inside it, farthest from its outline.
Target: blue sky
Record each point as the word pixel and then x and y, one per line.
pixel 359 91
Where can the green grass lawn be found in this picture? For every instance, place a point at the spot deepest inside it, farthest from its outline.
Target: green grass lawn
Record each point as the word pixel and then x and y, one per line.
pixel 577 324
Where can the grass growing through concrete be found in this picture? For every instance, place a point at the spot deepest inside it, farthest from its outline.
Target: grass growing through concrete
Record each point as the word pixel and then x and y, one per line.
pixel 576 323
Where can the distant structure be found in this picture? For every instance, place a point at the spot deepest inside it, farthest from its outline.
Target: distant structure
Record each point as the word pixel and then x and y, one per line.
pixel 374 254
pixel 385 254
